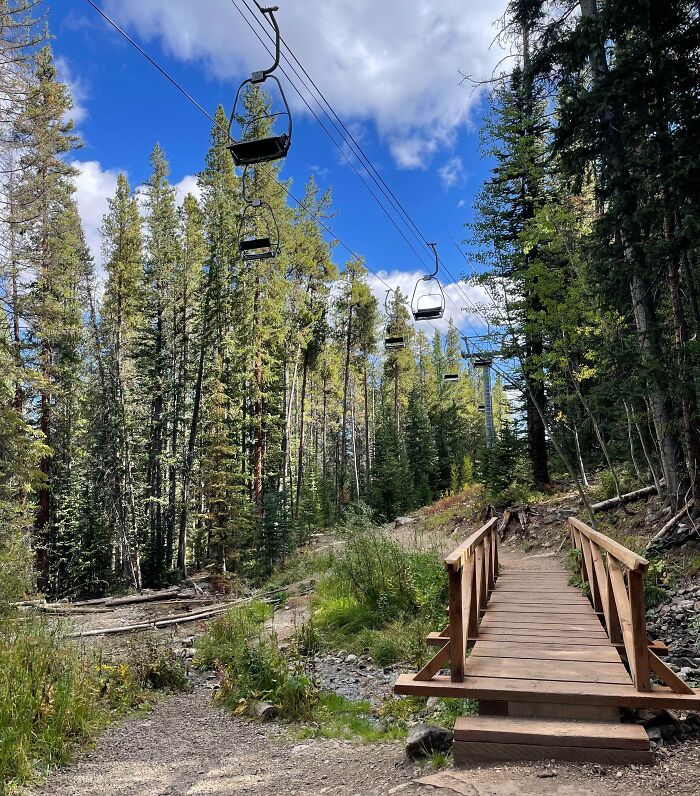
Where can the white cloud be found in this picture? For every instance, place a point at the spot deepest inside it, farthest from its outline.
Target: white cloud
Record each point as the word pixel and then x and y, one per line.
pixel 461 203
pixel 454 299
pixel 94 186
pixel 451 173
pixel 391 63
pixel 76 87
pixel 187 184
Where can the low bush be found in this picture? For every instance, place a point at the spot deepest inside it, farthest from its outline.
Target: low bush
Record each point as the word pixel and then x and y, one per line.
pixel 380 598
pixel 253 665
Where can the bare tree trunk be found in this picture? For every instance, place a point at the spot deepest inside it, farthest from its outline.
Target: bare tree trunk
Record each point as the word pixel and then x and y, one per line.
pixel 346 383
pixel 302 407
pixel 194 427
pixel 368 451
pixel 258 421
pixel 631 442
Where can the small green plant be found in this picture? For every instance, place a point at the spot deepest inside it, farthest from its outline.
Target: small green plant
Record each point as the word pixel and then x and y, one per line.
pixel 656 579
pixel 253 665
pixel 336 717
pixel 438 760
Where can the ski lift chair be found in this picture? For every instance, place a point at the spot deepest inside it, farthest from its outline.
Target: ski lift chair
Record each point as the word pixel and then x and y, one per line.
pixel 250 148
pixel 428 302
pixel 252 245
pixel 394 342
pixel 451 377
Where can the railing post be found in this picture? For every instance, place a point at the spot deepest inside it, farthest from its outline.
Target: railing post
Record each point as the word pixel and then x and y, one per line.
pixel 640 663
pixel 614 627
pixel 495 553
pixel 457 640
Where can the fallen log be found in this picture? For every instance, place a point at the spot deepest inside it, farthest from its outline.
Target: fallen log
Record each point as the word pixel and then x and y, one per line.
pixel 685 511
pixel 167 621
pixel 629 497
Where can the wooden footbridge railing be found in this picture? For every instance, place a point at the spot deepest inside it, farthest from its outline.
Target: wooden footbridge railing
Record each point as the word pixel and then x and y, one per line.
pixel 526 643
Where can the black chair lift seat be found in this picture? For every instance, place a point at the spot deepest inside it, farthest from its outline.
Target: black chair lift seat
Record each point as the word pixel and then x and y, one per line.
pixel 428 313
pixel 259 150
pixel 394 342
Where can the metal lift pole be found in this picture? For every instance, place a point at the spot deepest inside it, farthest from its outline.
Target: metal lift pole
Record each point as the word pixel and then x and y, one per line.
pixel 488 403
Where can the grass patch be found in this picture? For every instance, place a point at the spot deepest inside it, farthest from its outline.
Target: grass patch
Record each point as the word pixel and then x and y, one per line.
pixel 304 564
pixel 379 598
pixel 404 709
pixel 53 699
pixel 336 717
pixel 254 667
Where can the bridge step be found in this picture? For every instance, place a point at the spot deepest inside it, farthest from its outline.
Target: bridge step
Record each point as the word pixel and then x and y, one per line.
pixel 530 690
pixel 483 739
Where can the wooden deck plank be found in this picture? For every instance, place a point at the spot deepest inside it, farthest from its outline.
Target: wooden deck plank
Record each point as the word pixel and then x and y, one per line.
pixel 555 652
pixel 600 734
pixel 527 637
pixel 537 599
pixel 542 629
pixel 534 626
pixel 514 689
pixel 582 672
pixel 519 608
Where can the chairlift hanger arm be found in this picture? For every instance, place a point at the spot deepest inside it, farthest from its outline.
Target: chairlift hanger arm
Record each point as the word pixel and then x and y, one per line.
pixel 433 246
pixel 269 11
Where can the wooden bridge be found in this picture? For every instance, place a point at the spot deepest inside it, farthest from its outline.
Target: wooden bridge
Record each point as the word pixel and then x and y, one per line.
pixel 551 668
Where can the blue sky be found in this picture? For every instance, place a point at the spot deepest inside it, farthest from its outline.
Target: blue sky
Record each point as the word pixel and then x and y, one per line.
pixel 392 77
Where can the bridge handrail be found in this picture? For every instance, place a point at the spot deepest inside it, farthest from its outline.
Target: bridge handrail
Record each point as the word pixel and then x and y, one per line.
pixel 457 557
pixel 618 597
pixel 625 556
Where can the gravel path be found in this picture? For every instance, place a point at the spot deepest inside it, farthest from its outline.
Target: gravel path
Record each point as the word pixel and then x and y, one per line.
pixel 188 747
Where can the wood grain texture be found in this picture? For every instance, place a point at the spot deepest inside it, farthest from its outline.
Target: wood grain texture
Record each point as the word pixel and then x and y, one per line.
pixel 478 753
pixel 555 732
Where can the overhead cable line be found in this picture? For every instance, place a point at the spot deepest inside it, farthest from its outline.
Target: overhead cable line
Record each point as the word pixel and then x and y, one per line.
pixel 352 144
pixel 319 120
pixel 280 185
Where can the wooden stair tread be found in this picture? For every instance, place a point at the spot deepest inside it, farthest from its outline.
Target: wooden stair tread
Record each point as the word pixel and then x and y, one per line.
pixel 555 652
pixel 530 690
pixel 554 732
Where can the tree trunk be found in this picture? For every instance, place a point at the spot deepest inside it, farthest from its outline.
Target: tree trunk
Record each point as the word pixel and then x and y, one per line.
pixel 368 451
pixel 258 430
pixel 346 383
pixel 302 407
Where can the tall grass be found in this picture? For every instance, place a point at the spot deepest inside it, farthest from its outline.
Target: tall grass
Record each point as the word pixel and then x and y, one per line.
pixel 53 699
pixel 47 700
pixel 380 598
pixel 253 665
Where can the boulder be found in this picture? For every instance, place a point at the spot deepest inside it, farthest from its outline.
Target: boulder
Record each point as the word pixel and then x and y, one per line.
pixel 424 739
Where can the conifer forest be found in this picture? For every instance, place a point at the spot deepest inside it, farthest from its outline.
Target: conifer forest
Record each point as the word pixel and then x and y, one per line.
pixel 183 406
pixel 349 381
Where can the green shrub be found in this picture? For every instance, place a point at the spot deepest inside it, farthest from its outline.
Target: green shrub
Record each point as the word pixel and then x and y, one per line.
pixel 336 717
pixel 381 599
pixel 53 698
pixel 253 665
